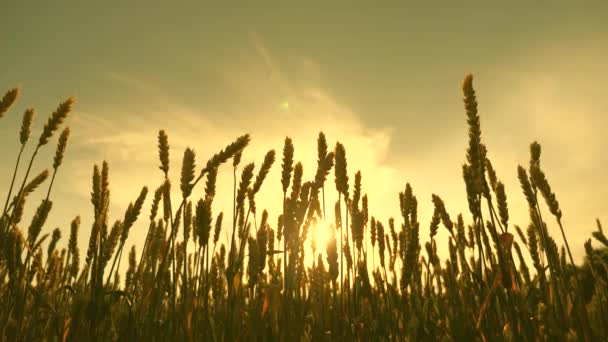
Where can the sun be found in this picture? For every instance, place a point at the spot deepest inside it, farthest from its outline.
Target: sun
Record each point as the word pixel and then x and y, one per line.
pixel 321 235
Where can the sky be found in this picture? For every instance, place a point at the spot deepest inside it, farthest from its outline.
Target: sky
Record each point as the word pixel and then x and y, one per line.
pixel 384 79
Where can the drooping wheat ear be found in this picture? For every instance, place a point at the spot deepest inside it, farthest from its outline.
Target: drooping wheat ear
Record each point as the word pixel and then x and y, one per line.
pixel 539 179
pixel 340 170
pixel 526 186
pixel 210 184
pixel 228 152
pixel 163 151
pixel 7 100
pixel 435 220
pixel 111 242
pixel 323 169
pixel 38 221
pixel 158 194
pixel 18 211
pixel 33 185
pixel 236 160
pixel 26 126
pixel 599 233
pixel 445 217
pixel 257 184
pixel 501 200
pixel 246 177
pixel 61 145
pixel 56 119
pixel 188 170
pixel 287 166
pixel 132 214
pixel 263 172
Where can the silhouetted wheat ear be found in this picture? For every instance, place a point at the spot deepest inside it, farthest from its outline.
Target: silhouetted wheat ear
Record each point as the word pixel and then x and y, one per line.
pixel 7 100
pixel 56 119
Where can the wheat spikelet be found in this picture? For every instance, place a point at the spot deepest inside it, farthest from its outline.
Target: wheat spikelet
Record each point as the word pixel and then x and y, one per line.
pixel 526 186
pixel 263 172
pixel 53 244
pixel 111 242
pixel 32 185
pixel 218 228
pixel 38 221
pixel 535 151
pixel 7 100
pixel 156 201
pixel 61 145
pixel 132 214
pixel 491 174
pixel 56 119
pixel 163 151
pixel 287 166
pixel 188 170
pixel 475 155
pixel 203 221
pixel 501 200
pixel 539 179
pixel 246 177
pixel 340 170
pixel 232 150
pixel 445 217
pixel 296 185
pixel 26 126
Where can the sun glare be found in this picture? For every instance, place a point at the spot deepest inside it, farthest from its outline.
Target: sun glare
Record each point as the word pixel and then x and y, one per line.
pixel 322 234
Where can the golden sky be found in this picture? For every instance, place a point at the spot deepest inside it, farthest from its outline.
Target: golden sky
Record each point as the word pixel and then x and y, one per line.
pixel 384 79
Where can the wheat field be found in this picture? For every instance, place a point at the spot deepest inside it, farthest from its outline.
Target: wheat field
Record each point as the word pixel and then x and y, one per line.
pixel 376 278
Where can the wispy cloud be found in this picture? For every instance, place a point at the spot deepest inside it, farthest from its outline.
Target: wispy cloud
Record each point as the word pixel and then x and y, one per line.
pixel 128 142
